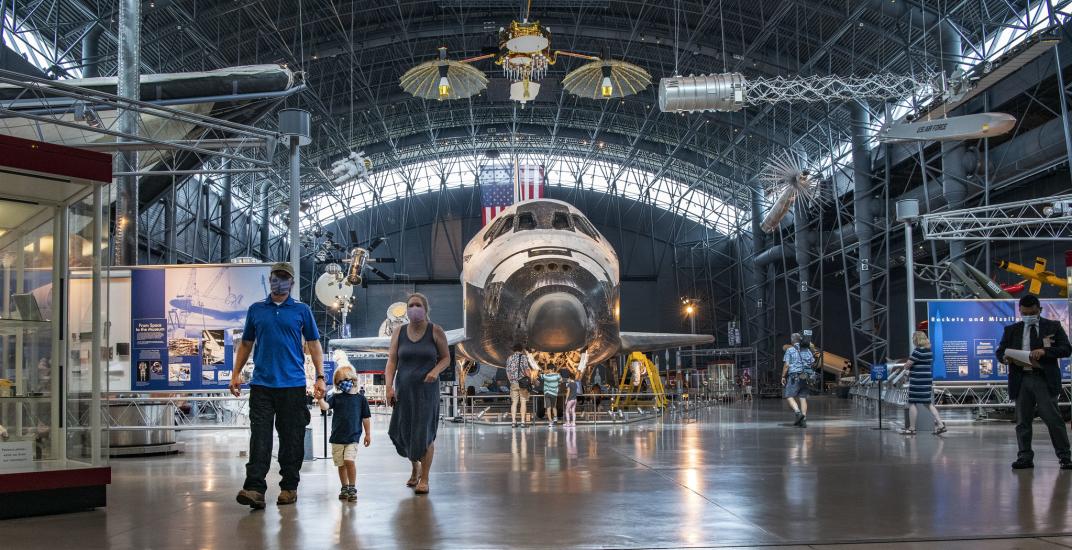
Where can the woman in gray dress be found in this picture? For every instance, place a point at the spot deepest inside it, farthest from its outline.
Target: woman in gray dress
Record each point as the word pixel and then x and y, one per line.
pixel 418 355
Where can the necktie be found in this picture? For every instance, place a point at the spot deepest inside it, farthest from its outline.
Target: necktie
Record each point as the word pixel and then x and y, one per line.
pixel 1034 335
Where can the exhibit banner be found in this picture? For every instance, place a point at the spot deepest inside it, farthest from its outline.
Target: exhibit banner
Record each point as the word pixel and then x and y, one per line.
pixel 186 321
pixel 965 335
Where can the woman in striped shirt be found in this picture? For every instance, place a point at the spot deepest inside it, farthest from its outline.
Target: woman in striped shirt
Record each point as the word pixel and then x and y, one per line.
pixel 920 380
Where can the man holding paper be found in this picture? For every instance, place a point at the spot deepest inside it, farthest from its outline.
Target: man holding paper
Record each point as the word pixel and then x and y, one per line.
pixel 1032 348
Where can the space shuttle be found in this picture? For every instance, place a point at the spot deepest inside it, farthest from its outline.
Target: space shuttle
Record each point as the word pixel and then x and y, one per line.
pixel 540 275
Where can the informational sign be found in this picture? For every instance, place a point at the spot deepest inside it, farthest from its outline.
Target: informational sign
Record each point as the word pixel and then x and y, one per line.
pixel 879 372
pixel 16 453
pixel 186 321
pixel 965 335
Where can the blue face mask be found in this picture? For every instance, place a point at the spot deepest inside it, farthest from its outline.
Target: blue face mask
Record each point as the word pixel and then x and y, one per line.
pixel 346 385
pixel 280 286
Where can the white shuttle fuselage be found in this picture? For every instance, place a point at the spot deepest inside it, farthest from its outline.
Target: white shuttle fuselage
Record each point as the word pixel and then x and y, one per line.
pixel 540 275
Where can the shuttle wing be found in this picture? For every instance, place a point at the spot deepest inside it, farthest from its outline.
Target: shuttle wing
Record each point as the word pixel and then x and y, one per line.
pixel 652 341
pixel 383 344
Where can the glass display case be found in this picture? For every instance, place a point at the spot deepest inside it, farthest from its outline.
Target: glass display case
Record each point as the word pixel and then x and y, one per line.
pixel 53 318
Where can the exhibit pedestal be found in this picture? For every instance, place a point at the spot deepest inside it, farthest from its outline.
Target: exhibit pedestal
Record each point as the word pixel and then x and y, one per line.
pixel 53 491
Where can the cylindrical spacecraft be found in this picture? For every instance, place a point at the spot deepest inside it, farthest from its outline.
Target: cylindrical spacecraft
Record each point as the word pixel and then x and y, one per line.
pixel 713 92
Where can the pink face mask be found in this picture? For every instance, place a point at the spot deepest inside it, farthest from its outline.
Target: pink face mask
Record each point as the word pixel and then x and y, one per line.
pixel 416 314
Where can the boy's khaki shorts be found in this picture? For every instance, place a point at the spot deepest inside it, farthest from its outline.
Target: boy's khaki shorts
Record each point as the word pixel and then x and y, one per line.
pixel 343 453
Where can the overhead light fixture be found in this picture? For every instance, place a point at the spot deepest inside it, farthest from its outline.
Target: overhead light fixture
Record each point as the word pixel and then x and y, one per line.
pixel 444 88
pixel 606 89
pixel 444 83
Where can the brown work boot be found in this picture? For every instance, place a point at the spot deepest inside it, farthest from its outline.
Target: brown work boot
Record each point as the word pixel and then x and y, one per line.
pixel 287 497
pixel 253 499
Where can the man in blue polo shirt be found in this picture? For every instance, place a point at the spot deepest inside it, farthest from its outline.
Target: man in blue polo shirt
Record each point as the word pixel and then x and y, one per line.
pixel 281 327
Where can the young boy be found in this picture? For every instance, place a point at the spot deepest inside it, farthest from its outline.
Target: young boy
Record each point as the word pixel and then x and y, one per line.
pixel 351 418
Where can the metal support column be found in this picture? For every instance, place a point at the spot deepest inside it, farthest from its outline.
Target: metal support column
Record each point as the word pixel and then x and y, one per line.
pixel 1063 91
pixel 907 212
pixel 863 212
pixel 91 51
pixel 295 211
pixel 225 215
pixel 170 223
pixel 296 125
pixel 266 212
pixel 126 208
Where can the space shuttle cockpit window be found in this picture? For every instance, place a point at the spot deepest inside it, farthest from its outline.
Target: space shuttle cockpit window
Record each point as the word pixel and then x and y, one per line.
pixel 508 224
pixel 526 221
pixel 585 227
pixel 560 220
pixel 500 226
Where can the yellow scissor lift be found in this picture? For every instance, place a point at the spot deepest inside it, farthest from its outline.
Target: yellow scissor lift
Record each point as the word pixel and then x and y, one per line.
pixel 625 385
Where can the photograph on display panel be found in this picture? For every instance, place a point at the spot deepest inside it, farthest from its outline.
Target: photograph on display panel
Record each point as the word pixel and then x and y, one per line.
pixel 185 322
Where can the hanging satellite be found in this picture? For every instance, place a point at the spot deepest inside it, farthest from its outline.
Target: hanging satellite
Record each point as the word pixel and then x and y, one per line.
pixel 332 291
pixel 787 179
pixel 525 54
pixel 361 261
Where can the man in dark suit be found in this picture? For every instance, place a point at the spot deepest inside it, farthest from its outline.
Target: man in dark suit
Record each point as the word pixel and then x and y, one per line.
pixel 1038 385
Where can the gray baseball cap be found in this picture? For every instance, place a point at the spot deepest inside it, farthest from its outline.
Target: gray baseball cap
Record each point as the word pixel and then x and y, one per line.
pixel 284 267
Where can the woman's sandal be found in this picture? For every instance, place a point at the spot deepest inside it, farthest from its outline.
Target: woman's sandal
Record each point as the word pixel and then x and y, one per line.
pixel 421 489
pixel 940 429
pixel 906 431
pixel 413 481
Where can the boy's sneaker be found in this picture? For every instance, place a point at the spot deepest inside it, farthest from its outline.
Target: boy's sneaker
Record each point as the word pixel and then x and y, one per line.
pixel 352 495
pixel 344 493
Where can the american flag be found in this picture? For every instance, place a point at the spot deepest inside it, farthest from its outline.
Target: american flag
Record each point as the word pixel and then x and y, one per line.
pixel 529 182
pixel 496 190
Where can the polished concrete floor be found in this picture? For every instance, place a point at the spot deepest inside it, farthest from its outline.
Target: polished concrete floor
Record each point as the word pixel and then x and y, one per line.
pixel 734 475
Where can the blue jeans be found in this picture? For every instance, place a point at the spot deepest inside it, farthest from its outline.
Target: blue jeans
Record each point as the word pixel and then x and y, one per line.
pixel 286 409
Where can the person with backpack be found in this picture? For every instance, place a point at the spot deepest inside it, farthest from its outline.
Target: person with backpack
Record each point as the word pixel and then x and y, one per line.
pixel 517 367
pixel 796 370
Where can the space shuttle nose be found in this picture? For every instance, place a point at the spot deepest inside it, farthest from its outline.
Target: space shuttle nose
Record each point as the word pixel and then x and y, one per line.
pixel 557 322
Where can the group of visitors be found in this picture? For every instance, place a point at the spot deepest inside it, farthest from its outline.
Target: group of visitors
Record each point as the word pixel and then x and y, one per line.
pixel 285 332
pixel 548 375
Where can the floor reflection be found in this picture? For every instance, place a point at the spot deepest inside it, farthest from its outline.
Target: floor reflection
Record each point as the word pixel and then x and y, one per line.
pixel 414 523
pixel 728 475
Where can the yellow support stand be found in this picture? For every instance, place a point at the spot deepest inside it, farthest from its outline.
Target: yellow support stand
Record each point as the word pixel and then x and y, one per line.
pixel 626 387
